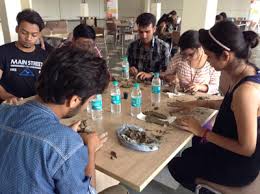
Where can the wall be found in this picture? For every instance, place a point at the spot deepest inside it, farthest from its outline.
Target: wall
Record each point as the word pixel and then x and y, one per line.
pixel 130 8
pixel 234 8
pixel 67 9
pixel 169 5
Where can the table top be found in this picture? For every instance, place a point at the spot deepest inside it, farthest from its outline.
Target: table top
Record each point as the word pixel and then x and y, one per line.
pixel 133 168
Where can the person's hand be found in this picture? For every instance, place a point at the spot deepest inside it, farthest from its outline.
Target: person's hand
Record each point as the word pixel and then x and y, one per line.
pixel 94 141
pixel 75 126
pixel 13 100
pixel 193 88
pixel 171 79
pixel 133 71
pixel 143 75
pixel 190 124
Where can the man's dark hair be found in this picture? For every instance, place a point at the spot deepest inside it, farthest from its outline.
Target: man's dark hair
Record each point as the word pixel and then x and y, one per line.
pixel 71 71
pixel 224 15
pixel 84 31
pixel 145 19
pixel 30 16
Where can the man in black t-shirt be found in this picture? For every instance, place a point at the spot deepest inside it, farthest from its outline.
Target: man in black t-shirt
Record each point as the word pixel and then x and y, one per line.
pixel 21 61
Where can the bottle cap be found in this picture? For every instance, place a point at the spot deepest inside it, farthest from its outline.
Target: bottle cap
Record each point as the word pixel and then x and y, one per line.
pixel 115 83
pixel 136 85
pixel 157 74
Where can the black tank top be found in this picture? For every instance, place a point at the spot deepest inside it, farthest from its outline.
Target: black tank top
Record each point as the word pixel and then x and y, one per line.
pixel 225 125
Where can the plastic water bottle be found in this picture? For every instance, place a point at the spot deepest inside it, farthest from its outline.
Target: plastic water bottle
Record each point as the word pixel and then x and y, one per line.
pixel 156 90
pixel 136 100
pixel 115 98
pixel 96 106
pixel 125 68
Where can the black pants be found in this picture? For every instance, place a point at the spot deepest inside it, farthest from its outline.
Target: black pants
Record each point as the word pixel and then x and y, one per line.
pixel 194 163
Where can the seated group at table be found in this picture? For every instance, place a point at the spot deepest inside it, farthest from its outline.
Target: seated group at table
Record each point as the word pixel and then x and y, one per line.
pixel 40 155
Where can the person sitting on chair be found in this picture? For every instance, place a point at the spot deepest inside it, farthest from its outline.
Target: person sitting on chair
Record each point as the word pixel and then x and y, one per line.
pixel 148 54
pixel 228 155
pixel 193 71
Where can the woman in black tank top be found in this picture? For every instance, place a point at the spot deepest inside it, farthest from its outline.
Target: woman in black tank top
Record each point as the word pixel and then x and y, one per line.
pixel 231 153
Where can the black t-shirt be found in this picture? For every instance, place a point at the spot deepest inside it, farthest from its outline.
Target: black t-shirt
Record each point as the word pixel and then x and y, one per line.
pixel 20 69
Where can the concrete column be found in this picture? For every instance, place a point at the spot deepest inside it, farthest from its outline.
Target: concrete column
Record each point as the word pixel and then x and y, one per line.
pixel 26 4
pixel 8 11
pixel 198 14
pixel 156 9
pixel 147 6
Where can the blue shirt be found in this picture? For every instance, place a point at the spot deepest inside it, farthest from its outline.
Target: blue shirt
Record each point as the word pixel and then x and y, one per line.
pixel 38 154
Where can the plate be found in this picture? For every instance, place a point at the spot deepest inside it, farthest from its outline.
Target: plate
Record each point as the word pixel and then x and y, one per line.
pixel 124 132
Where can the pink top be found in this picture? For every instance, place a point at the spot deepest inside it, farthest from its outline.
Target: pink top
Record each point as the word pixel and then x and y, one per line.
pixel 186 74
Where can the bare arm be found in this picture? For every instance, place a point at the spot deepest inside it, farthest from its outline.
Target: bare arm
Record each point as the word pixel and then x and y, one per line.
pixel 4 95
pixel 213 104
pixel 94 143
pixel 245 114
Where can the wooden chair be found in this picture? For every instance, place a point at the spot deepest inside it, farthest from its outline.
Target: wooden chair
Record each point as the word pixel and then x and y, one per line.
pixel 253 188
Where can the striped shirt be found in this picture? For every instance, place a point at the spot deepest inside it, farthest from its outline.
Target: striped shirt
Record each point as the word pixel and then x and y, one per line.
pixel 186 74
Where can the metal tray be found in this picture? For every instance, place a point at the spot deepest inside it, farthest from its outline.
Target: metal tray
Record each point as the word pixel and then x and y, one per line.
pixel 132 144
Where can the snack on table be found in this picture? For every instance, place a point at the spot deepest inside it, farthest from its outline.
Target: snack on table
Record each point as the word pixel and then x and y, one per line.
pixel 136 138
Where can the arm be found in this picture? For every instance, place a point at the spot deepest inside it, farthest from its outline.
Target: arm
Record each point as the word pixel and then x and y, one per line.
pixel 4 95
pixel 171 72
pixel 213 86
pixel 133 67
pixel 165 58
pixel 130 57
pixel 94 142
pixel 245 115
pixel 213 104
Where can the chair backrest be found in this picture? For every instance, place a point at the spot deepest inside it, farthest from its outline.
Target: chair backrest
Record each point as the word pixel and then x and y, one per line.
pixel 253 188
pixel 90 21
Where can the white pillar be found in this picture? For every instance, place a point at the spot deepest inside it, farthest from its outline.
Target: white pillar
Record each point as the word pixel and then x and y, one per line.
pixel 26 4
pixel 198 14
pixel 8 12
pixel 156 9
pixel 147 6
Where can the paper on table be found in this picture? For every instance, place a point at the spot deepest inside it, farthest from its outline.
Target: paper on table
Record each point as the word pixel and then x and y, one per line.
pixel 171 94
pixel 170 119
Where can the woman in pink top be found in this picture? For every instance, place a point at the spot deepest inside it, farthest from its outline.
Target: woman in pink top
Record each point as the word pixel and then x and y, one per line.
pixel 190 67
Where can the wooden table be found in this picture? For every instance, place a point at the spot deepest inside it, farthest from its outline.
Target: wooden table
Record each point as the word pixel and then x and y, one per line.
pixel 132 168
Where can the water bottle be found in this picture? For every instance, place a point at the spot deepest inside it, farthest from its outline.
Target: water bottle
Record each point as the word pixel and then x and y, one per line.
pixel 125 68
pixel 136 100
pixel 96 106
pixel 115 98
pixel 156 90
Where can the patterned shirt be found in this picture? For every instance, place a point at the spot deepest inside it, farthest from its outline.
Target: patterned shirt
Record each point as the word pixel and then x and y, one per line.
pixel 186 74
pixel 38 154
pixel 153 59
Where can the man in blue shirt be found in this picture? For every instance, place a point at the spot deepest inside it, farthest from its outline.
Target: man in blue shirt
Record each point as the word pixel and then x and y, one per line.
pixel 40 155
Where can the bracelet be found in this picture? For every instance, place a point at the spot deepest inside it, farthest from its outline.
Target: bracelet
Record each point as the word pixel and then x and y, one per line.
pixel 204 136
